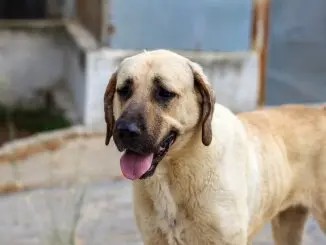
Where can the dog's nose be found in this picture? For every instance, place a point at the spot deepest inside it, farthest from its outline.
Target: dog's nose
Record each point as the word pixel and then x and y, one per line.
pixel 127 129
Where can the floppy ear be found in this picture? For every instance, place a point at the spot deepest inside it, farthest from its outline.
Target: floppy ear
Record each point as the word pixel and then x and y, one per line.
pixel 108 107
pixel 207 103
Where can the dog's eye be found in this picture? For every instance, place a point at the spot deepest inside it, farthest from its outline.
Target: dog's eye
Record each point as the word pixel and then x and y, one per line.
pixel 163 95
pixel 124 92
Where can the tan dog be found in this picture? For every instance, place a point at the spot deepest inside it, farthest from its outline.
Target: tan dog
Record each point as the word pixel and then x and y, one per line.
pixel 203 175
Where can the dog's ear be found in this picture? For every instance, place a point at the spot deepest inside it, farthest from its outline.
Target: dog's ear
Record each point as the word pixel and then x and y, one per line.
pixel 207 101
pixel 108 107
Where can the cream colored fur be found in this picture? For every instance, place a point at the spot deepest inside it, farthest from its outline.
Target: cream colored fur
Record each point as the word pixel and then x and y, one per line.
pixel 262 166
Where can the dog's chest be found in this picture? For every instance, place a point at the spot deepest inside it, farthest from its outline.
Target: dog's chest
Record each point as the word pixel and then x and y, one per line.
pixel 171 212
pixel 177 226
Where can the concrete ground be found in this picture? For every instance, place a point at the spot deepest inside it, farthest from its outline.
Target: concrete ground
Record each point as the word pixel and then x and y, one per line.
pixel 72 193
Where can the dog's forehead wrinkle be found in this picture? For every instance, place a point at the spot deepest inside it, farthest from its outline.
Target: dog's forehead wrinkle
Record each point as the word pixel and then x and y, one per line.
pixel 163 81
pixel 178 80
pixel 172 68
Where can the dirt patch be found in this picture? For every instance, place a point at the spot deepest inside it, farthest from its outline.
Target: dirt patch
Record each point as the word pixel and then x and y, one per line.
pixel 5 134
pixel 20 122
pixel 44 146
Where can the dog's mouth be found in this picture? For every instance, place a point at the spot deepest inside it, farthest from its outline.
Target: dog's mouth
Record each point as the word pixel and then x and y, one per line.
pixel 140 166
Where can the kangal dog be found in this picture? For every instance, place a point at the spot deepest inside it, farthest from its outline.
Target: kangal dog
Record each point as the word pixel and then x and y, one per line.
pixel 202 175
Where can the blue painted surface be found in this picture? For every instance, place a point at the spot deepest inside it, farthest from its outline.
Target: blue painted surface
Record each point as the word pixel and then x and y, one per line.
pixel 297 57
pixel 208 25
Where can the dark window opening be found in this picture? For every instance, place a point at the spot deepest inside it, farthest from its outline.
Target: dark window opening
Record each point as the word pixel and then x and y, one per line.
pixel 23 9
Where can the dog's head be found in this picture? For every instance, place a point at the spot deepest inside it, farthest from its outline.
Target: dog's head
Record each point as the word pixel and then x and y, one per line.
pixel 153 101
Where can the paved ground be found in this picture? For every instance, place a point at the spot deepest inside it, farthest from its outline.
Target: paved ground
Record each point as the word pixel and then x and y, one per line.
pixel 95 215
pixel 87 214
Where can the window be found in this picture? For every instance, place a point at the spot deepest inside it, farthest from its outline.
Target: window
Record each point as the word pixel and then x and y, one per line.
pixel 30 9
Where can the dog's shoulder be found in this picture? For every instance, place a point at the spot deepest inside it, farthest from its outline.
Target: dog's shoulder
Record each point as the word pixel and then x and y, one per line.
pixel 287 112
pixel 223 115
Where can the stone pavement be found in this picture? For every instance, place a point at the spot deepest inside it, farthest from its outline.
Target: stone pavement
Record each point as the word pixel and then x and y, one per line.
pixel 98 214
pixel 74 194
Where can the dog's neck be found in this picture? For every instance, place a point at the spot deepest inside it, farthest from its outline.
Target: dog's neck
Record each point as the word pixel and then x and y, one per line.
pixel 182 154
pixel 182 162
pixel 163 187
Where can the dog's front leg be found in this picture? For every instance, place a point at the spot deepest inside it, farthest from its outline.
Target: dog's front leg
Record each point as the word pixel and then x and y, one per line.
pixel 232 224
pixel 148 220
pixel 214 236
pixel 156 238
pixel 223 222
pixel 240 238
pixel 230 236
pixel 151 234
pixel 233 231
pixel 216 229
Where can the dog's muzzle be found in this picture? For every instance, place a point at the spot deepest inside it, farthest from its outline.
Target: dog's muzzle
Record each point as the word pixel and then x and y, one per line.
pixel 142 154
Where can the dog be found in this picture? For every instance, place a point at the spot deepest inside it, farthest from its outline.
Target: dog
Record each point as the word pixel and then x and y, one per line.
pixel 202 175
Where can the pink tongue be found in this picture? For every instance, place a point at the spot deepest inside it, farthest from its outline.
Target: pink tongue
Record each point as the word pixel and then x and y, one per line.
pixel 133 166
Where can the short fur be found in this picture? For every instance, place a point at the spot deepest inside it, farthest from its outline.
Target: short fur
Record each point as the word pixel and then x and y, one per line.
pixel 226 175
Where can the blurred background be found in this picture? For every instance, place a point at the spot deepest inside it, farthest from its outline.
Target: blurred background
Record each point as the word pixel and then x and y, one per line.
pixel 59 184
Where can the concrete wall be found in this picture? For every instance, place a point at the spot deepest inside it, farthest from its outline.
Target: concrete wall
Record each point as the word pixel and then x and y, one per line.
pixel 30 61
pixel 35 60
pixel 234 77
pixel 75 81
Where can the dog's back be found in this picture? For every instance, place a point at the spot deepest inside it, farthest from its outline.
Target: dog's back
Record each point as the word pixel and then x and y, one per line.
pixel 301 129
pixel 291 154
pixel 295 124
